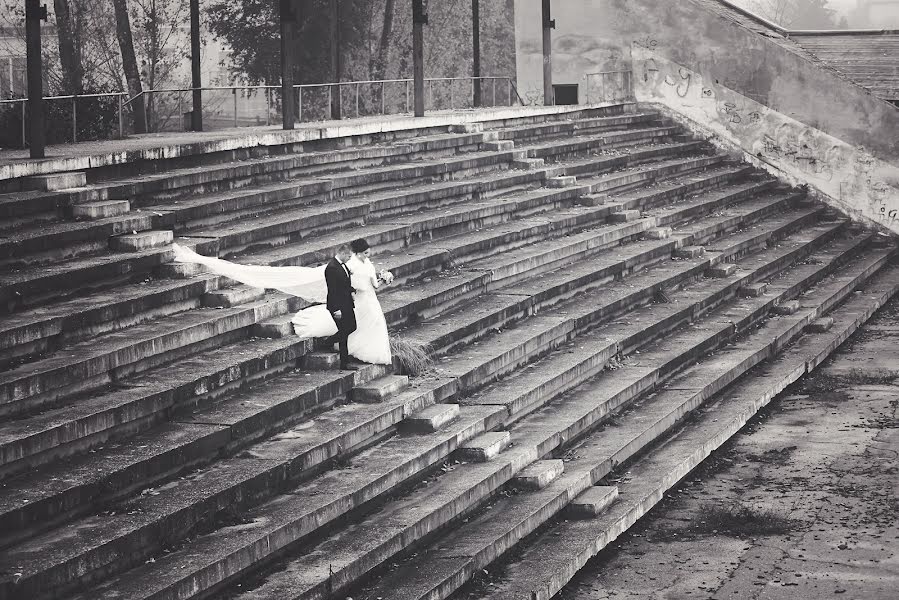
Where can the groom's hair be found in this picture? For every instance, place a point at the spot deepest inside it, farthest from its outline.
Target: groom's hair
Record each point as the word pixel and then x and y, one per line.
pixel 344 249
pixel 359 246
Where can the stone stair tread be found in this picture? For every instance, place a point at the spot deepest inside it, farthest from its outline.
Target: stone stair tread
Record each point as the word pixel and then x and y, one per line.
pixel 682 181
pixel 581 138
pixel 551 555
pixel 99 354
pixel 308 187
pixel 307 444
pixel 322 246
pixel 348 204
pixel 28 202
pixel 526 296
pixel 73 265
pixel 303 509
pixel 54 318
pixel 620 156
pixel 338 561
pixel 412 297
pixel 571 125
pixel 77 230
pixel 293 511
pixel 318 183
pixel 296 160
pixel 581 237
pixel 125 400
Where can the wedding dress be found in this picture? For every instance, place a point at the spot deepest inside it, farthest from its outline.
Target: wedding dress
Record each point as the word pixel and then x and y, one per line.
pixel 369 343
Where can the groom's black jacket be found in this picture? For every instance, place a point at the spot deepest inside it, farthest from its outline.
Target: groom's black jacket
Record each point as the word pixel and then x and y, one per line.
pixel 340 290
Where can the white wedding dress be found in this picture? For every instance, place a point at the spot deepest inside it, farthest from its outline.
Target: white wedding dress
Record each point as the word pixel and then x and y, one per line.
pixel 369 343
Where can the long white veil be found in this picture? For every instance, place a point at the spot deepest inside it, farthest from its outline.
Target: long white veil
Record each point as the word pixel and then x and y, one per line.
pixel 307 283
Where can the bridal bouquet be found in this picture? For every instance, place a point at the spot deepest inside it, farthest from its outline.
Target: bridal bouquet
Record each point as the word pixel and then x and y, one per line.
pixel 385 276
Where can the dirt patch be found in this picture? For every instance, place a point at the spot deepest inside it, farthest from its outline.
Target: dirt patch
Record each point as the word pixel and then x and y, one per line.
pixel 740 520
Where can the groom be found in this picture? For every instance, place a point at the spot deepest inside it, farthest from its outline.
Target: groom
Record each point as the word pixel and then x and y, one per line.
pixel 340 302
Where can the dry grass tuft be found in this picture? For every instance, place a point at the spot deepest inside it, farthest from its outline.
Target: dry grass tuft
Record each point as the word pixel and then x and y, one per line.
pixel 414 359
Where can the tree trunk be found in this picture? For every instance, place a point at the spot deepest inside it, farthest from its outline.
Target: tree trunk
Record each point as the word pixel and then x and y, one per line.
pixel 386 37
pixel 129 64
pixel 69 50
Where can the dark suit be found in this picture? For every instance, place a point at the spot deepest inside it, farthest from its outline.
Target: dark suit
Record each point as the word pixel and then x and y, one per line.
pixel 340 297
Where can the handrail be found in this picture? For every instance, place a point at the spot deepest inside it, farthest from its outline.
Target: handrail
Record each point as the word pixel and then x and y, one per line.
pixel 124 100
pixel 68 97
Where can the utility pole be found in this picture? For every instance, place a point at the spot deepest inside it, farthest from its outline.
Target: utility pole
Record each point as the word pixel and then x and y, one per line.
pixel 419 20
pixel 476 49
pixel 336 102
pixel 34 14
pixel 196 116
pixel 548 25
pixel 288 18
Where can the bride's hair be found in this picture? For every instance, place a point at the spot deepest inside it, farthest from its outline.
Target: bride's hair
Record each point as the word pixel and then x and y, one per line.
pixel 359 246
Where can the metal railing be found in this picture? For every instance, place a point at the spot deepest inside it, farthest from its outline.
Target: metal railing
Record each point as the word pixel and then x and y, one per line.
pixel 23 102
pixel 366 98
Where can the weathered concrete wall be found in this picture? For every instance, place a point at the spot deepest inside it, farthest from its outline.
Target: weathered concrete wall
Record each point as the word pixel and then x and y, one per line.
pixel 702 35
pixel 846 176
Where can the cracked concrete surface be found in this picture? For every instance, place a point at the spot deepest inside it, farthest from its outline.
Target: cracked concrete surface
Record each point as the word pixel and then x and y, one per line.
pixel 802 504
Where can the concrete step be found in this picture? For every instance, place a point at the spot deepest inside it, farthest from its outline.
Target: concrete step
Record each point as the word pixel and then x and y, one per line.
pixel 523 133
pixel 77 277
pixel 471 320
pixel 47 328
pixel 202 426
pixel 47 243
pixel 287 226
pixel 102 209
pixel 148 189
pixel 473 545
pixel 550 559
pixel 141 401
pixel 244 202
pixel 278 449
pixel 93 363
pixel 381 235
pixel 22 204
pixel 380 389
pixel 474 283
pixel 634 156
pixel 581 144
pixel 397 525
pixel 55 181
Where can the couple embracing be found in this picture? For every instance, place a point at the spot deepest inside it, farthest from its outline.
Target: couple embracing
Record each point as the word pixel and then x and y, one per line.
pixel 346 309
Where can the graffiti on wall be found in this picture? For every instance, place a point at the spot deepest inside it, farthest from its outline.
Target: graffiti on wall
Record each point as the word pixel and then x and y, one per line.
pixel 849 176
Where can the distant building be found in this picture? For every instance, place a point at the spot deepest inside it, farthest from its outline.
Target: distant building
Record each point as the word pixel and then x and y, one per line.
pixel 12 63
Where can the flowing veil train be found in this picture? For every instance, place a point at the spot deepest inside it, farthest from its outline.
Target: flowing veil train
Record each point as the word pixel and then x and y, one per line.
pixel 370 343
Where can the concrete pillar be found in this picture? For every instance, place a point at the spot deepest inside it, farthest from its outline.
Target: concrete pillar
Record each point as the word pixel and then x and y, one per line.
pixel 288 18
pixel 34 14
pixel 548 25
pixel 196 116
pixel 476 49
pixel 419 20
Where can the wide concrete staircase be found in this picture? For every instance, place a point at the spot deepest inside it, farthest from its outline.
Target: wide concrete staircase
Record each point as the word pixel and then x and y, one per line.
pixel 597 289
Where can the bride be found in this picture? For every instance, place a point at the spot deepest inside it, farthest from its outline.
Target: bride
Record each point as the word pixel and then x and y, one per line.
pixel 369 343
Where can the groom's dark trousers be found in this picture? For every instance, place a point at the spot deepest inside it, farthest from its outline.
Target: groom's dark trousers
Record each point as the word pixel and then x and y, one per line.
pixel 340 298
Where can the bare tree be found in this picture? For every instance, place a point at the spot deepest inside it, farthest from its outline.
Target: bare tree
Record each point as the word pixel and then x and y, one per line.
pixel 129 64
pixel 811 14
pixel 69 47
pixel 384 46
